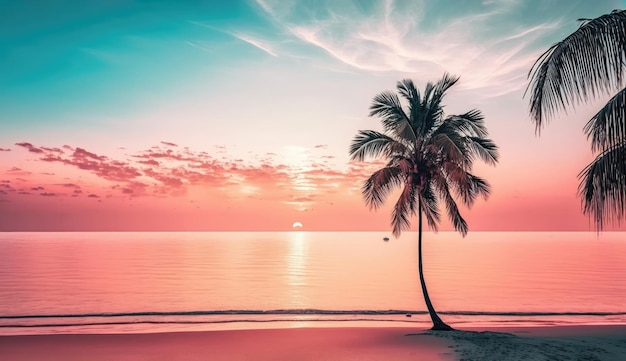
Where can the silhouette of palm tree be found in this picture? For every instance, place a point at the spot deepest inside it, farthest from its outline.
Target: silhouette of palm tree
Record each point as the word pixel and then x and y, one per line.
pixel 429 156
pixel 588 63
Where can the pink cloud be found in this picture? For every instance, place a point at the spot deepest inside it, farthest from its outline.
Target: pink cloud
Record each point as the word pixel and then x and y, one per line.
pixel 104 168
pixel 168 154
pixel 82 154
pixel 30 147
pixel 168 181
pixel 149 162
pixel 52 150
pixel 173 172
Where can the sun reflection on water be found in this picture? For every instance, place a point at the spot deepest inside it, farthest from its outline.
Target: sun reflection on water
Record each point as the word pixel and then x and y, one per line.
pixel 297 262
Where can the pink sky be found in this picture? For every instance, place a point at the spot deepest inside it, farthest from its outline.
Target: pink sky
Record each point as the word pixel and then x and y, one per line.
pixel 239 117
pixel 172 187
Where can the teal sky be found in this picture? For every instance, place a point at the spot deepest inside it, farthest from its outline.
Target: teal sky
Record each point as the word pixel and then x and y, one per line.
pixel 69 59
pixel 289 78
pixel 74 64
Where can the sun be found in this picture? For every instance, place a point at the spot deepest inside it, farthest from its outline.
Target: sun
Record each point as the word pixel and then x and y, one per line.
pixel 296 225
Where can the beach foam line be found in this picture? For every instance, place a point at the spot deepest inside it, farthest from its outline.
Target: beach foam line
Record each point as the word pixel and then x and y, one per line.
pixel 148 322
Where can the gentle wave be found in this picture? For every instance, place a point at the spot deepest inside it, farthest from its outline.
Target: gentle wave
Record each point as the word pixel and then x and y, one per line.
pixel 223 317
pixel 310 312
pixel 196 322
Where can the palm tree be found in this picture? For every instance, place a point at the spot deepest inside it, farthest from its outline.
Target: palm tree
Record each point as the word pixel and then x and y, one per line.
pixel 588 63
pixel 429 156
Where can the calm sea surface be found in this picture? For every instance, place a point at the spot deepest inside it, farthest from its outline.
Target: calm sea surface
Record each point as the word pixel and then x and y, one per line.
pixel 149 282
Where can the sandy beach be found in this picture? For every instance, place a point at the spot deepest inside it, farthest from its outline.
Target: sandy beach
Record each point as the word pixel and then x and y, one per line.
pixel 597 343
pixel 358 343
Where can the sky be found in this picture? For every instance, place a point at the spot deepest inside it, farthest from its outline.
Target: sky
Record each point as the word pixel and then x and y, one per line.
pixel 237 115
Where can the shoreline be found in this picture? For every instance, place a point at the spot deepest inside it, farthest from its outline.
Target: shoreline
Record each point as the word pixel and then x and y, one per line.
pixel 592 342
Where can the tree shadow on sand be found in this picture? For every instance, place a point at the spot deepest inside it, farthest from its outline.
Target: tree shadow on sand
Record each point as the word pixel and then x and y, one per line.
pixel 498 346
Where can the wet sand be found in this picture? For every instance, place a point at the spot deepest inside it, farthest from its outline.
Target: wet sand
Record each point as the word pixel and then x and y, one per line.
pixel 346 343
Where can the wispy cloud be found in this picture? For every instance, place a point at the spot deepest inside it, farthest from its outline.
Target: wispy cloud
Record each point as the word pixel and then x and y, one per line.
pixel 265 6
pixel 249 39
pixel 255 42
pixel 199 46
pixel 489 46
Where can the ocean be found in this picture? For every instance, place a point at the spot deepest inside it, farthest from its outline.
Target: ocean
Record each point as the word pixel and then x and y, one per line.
pixel 130 282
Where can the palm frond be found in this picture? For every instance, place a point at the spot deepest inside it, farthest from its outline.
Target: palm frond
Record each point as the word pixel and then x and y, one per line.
pixel 442 86
pixel 603 186
pixel 428 94
pixel 453 211
pixel 471 123
pixel 406 165
pixel 608 127
pixel 430 207
pixel 473 187
pixel 484 148
pixel 454 172
pixel 462 133
pixel 452 147
pixel 407 89
pixel 403 210
pixel 467 186
pixel 373 144
pixel 378 186
pixel 415 102
pixel 585 64
pixel 388 108
pixel 435 110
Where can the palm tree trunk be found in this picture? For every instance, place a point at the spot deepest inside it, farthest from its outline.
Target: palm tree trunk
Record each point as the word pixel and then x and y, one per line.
pixel 438 323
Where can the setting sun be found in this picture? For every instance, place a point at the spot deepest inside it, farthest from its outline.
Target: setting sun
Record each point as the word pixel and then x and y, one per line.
pixel 296 225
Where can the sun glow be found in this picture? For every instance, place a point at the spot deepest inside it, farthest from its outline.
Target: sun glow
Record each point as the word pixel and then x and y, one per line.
pixel 297 262
pixel 297 159
pixel 296 225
